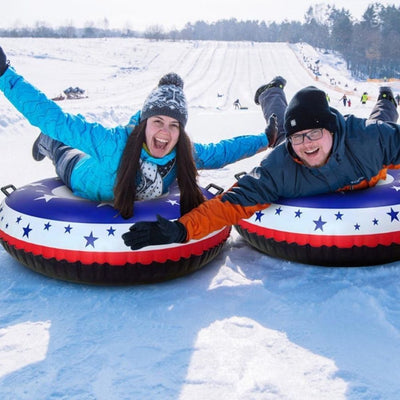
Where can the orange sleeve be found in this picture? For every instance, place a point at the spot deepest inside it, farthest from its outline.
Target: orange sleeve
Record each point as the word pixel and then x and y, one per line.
pixel 214 214
pixel 372 182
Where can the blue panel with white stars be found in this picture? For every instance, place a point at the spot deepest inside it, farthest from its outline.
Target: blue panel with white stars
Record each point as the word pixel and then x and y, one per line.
pixel 50 198
pixel 361 212
pixel 384 193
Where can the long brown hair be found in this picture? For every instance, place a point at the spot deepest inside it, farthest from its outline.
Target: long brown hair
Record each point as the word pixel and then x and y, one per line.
pixel 125 187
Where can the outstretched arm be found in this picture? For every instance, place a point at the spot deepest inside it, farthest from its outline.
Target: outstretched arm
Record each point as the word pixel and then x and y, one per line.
pixel 228 151
pixel 74 130
pixel 214 214
pixel 210 216
pixel 217 155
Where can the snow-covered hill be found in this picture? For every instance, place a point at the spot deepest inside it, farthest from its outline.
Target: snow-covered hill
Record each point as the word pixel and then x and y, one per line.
pixel 247 326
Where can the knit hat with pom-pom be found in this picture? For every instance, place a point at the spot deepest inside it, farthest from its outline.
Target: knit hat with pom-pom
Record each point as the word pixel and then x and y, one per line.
pixel 167 99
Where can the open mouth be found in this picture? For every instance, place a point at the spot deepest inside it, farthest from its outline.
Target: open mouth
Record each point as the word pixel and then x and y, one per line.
pixel 311 152
pixel 160 144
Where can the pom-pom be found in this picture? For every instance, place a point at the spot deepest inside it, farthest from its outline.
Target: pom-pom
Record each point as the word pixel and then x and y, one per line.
pixel 171 79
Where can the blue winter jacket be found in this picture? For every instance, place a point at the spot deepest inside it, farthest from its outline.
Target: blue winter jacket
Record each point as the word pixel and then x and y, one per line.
pixel 94 176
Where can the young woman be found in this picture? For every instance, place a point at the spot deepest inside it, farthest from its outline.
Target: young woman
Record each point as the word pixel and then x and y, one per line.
pixel 126 163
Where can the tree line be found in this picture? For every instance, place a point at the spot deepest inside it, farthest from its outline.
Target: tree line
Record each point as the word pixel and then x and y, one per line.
pixel 370 46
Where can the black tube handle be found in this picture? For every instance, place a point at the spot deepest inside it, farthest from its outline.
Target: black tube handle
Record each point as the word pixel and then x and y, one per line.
pixel 240 174
pixel 5 189
pixel 218 189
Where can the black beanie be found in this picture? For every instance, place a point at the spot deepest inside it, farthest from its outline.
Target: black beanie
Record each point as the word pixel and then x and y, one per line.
pixel 167 99
pixel 309 109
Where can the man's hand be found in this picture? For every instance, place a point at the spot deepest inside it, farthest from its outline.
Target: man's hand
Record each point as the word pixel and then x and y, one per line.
pixel 162 231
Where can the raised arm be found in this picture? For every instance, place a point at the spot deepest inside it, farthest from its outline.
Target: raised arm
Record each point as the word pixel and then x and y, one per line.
pixel 217 155
pixel 48 116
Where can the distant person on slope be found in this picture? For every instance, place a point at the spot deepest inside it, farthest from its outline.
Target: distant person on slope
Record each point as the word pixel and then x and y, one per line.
pixel 344 99
pixel 236 104
pixel 324 152
pixel 127 163
pixel 364 98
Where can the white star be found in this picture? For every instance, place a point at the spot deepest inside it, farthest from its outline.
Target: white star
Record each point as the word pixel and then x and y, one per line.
pixel 37 184
pixel 105 204
pixel 396 188
pixel 47 197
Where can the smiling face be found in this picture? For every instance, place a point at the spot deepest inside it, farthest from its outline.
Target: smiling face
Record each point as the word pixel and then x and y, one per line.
pixel 314 153
pixel 162 134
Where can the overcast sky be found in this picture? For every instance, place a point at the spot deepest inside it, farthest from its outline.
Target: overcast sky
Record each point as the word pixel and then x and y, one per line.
pixel 169 13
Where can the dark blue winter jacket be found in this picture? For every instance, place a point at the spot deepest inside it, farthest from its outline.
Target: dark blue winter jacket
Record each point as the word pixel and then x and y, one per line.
pixel 362 151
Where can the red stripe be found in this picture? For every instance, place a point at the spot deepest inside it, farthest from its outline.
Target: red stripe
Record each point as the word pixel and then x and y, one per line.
pixel 342 241
pixel 174 252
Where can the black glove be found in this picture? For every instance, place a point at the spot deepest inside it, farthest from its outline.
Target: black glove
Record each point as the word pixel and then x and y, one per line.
pixel 162 231
pixel 272 130
pixel 3 62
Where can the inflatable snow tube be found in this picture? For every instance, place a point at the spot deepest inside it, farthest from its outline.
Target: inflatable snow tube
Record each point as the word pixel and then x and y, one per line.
pixel 352 228
pixel 49 230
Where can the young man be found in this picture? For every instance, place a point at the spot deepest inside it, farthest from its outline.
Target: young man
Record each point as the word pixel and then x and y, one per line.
pixel 324 152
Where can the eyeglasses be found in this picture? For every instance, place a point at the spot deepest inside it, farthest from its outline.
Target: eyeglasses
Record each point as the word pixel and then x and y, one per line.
pixel 298 138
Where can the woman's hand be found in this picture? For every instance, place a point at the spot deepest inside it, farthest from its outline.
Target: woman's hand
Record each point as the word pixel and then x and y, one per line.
pixel 3 62
pixel 272 130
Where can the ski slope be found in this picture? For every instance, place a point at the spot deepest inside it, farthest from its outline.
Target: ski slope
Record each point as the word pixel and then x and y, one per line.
pixel 247 326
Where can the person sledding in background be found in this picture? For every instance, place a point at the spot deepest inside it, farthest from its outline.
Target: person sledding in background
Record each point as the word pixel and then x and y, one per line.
pixel 74 93
pixel 71 94
pixel 324 152
pixel 127 163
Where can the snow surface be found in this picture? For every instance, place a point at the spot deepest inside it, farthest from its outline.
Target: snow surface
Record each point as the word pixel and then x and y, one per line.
pixel 246 326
